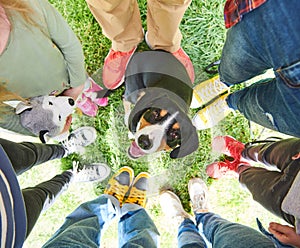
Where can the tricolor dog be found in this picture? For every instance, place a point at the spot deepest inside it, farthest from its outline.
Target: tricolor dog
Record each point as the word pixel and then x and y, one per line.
pixel 158 93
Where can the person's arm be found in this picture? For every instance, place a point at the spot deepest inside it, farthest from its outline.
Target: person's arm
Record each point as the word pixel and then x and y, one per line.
pixel 67 42
pixel 285 234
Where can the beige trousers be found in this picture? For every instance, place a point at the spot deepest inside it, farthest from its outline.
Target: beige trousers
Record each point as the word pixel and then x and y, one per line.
pixel 121 22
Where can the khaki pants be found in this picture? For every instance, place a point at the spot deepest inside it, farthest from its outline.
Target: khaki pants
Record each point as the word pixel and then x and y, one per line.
pixel 121 22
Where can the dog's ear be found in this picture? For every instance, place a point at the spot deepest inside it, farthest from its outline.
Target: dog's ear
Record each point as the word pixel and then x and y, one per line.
pixel 42 135
pixel 21 107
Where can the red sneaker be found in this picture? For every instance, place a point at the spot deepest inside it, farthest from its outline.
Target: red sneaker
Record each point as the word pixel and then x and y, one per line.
pixel 186 61
pixel 114 68
pixel 221 169
pixel 229 146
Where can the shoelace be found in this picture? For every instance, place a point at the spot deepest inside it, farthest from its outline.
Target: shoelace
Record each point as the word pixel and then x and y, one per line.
pixel 271 139
pixel 198 202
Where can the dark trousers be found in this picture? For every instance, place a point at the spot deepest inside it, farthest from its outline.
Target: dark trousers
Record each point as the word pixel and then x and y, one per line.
pixel 24 156
pixel 269 187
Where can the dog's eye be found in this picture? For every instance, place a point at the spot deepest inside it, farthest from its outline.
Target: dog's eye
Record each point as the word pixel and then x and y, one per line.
pixel 59 117
pixel 173 137
pixel 153 115
pixel 50 103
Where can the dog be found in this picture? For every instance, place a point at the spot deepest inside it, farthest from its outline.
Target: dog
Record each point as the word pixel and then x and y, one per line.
pixel 158 93
pixel 45 116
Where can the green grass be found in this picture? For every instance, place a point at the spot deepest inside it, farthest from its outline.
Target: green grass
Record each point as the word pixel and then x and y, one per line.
pixel 203 37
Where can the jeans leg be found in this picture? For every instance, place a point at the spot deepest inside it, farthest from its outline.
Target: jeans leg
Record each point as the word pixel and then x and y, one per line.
pixel 136 229
pixel 263 40
pixel 25 155
pixel 223 233
pixel 37 198
pixel 189 236
pixel 85 225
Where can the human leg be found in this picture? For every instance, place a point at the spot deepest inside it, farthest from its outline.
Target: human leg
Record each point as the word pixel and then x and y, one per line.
pixel 250 49
pixel 120 22
pixel 135 226
pixel 25 155
pixel 85 225
pixel 268 188
pixel 39 198
pixel 188 234
pixel 223 233
pixel 220 232
pixel 279 154
pixel 163 21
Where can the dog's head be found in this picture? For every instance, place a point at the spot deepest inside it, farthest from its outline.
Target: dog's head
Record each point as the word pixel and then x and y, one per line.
pixel 163 126
pixel 46 115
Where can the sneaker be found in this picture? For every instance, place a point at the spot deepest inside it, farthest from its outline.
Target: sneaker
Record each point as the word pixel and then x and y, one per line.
pixel 198 192
pixel 228 169
pixel 79 139
pixel 138 191
pixel 87 106
pixel 207 91
pixel 181 55
pixel 172 207
pixel 120 183
pixel 229 146
pixel 212 114
pixel 114 67
pixel 90 173
pixel 91 93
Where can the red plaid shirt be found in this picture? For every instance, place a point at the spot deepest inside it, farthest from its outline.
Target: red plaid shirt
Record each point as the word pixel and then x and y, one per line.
pixel 235 9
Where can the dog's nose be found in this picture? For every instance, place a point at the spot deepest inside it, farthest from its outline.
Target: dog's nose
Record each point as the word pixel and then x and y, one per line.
pixel 144 142
pixel 71 101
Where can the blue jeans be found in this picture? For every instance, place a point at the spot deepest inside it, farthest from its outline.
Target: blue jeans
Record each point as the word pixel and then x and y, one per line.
pixel 219 233
pixel 85 225
pixel 266 38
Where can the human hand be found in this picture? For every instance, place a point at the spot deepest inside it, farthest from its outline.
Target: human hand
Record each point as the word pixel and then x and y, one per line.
pixel 285 234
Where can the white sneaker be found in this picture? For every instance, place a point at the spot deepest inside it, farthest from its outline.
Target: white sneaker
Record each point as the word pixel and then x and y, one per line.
pixel 207 90
pixel 172 207
pixel 78 139
pixel 198 192
pixel 90 173
pixel 212 114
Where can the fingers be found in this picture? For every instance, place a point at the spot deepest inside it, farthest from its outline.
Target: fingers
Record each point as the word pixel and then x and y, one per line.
pixel 284 233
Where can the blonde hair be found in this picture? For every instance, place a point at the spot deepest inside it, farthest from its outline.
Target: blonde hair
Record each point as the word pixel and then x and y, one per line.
pixel 6 95
pixel 20 6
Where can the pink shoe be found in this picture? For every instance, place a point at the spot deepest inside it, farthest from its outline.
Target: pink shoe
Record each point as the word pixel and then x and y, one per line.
pixel 221 169
pixel 87 106
pixel 114 68
pixel 229 146
pixel 186 61
pixel 92 94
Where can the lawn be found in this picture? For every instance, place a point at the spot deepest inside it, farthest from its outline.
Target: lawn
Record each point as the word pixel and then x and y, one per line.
pixel 203 37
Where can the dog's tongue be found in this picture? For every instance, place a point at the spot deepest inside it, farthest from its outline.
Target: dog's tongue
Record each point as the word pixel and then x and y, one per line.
pixel 135 151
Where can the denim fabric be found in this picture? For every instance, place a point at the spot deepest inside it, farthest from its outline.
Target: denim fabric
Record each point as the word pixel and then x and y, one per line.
pixel 188 235
pixel 85 225
pixel 221 233
pixel 277 243
pixel 266 38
